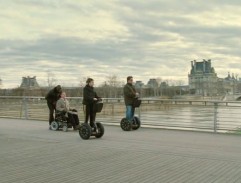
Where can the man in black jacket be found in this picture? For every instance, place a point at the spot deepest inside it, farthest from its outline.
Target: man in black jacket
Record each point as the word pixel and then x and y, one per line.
pixel 129 96
pixel 90 97
pixel 52 96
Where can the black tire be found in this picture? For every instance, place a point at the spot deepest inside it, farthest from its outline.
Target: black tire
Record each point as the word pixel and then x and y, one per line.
pixel 125 124
pixel 136 123
pixel 54 125
pixel 101 130
pixel 85 131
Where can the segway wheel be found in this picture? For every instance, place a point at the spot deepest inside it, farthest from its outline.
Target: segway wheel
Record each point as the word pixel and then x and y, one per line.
pixel 125 124
pixel 65 128
pixel 85 131
pixel 136 123
pixel 101 130
pixel 55 125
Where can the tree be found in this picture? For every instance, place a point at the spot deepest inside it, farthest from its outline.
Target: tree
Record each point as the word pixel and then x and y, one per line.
pixel 159 89
pixel 180 83
pixel 51 80
pixel 82 82
pixel 111 87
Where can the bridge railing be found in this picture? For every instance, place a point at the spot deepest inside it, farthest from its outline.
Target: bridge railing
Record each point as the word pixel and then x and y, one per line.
pixel 199 115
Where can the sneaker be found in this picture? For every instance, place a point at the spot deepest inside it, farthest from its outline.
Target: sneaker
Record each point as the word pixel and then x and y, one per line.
pixel 50 127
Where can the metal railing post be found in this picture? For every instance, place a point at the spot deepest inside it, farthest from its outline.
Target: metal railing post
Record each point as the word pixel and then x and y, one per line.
pixel 25 102
pixel 112 109
pixel 215 120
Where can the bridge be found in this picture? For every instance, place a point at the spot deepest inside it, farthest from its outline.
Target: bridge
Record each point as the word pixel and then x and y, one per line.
pixel 195 115
pixel 30 153
pixel 234 97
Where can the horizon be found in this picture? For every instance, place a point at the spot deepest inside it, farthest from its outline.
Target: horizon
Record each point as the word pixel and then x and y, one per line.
pixel 169 82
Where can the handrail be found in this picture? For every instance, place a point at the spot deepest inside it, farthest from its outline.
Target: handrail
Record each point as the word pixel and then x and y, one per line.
pixel 143 99
pixel 202 115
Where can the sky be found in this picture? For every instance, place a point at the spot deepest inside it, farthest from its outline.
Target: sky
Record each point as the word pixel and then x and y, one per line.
pixel 70 40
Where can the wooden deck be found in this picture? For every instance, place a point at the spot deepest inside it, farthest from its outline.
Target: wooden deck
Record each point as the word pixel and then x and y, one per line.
pixel 30 153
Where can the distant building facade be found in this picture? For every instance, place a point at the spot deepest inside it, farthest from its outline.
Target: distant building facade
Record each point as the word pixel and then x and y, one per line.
pixel 29 83
pixel 204 81
pixel 30 87
pixel 139 84
pixel 202 78
pixel 153 83
pixel 230 84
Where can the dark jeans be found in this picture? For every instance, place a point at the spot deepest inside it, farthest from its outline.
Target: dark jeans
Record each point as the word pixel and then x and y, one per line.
pixel 73 119
pixel 90 114
pixel 51 112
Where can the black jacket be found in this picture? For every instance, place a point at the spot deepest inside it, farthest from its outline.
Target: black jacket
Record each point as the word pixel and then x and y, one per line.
pixel 53 95
pixel 89 95
pixel 129 93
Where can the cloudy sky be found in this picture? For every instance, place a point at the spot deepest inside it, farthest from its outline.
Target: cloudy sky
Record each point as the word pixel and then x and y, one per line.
pixel 73 39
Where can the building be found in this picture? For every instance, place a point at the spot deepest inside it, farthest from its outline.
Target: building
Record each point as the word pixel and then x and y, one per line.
pixel 29 87
pixel 202 78
pixel 204 81
pixel 153 83
pixel 139 84
pixel 29 83
pixel 230 84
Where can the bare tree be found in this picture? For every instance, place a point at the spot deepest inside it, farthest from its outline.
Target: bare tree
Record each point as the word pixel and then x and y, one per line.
pixel 159 91
pixel 51 80
pixel 112 85
pixel 82 82
pixel 180 83
pixel 113 81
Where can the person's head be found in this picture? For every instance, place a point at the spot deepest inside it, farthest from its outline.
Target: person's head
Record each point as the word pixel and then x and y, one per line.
pixel 58 89
pixel 130 79
pixel 90 82
pixel 63 94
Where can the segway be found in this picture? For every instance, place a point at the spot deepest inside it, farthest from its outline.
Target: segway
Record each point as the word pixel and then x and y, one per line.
pixel 86 131
pixel 127 125
pixel 130 125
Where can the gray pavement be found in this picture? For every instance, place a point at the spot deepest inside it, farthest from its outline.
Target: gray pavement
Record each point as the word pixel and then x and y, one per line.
pixel 30 153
